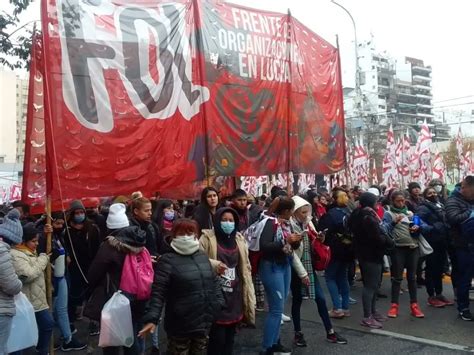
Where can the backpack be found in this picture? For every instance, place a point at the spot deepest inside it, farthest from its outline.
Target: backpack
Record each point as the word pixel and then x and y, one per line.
pixel 252 237
pixel 137 275
pixel 320 253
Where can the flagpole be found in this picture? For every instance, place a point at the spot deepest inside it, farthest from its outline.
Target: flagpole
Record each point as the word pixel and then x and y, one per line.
pixel 288 182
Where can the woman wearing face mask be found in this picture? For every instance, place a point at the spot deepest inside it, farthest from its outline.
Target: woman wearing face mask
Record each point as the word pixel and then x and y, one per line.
pixel 339 239
pixel 164 217
pixel 301 224
pixel 432 212
pixel 186 283
pixel 440 188
pixel 275 269
pixel 206 210
pixel 228 254
pixel 397 221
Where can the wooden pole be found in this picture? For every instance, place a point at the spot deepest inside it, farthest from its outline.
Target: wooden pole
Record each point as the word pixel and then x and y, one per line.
pixel 49 281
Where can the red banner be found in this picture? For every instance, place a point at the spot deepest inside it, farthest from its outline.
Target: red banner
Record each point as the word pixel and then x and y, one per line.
pixel 151 96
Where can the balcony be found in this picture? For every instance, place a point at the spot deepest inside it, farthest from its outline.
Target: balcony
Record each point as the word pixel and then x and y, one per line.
pixel 425 115
pixel 424 96
pixel 425 106
pixel 422 69
pixel 422 87
pixel 421 78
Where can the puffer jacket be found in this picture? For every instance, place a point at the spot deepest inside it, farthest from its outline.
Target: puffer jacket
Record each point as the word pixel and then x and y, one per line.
pixel 10 284
pixel 458 210
pixel 191 291
pixel 30 270
pixel 435 217
pixel 208 244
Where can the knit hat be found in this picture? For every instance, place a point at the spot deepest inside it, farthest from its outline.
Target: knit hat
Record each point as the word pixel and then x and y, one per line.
pixel 29 231
pixel 117 217
pixel 11 228
pixel 300 202
pixel 367 199
pixel 374 190
pixel 413 185
pixel 76 205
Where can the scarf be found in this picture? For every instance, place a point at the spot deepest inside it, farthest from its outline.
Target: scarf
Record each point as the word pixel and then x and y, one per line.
pixel 23 247
pixel 167 225
pixel 185 245
pixel 403 210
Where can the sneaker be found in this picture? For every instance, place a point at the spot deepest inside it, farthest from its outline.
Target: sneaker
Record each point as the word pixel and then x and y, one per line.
pixel 434 302
pixel 280 349
pixel 299 340
pixel 336 313
pixel 73 345
pixel 415 311
pixel 335 338
pixel 73 329
pixel 352 301
pixel 285 318
pixel 94 329
pixel 393 312
pixel 379 317
pixel 371 323
pixel 446 301
pixel 346 312
pixel 466 315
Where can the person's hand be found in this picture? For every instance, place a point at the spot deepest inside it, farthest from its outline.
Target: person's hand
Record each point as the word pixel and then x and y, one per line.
pixel 399 218
pixel 154 259
pixel 221 268
pixel 147 329
pixel 294 238
pixel 48 228
pixel 414 228
pixel 305 281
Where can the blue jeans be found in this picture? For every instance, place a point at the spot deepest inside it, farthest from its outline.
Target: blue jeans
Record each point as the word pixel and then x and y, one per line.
pixel 276 281
pixel 155 337
pixel 321 303
pixel 465 263
pixel 338 284
pixel 60 309
pixel 45 330
pixel 5 326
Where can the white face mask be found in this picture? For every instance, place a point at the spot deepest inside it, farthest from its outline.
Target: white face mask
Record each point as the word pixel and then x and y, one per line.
pixel 185 244
pixel 438 188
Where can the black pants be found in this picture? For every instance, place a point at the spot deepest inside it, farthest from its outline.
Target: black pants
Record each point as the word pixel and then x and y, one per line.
pixel 296 300
pixel 404 257
pixel 434 271
pixel 77 293
pixel 351 272
pixel 371 278
pixel 221 339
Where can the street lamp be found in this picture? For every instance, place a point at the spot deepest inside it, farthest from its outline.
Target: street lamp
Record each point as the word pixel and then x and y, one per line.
pixel 356 47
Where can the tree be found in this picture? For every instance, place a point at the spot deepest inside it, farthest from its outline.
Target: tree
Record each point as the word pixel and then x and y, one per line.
pixel 15 42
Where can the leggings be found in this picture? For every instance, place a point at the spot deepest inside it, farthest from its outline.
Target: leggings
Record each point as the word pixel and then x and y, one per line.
pixel 404 257
pixel 370 277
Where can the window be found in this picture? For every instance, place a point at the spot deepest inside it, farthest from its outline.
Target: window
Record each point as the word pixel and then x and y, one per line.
pixel 382 107
pixel 373 66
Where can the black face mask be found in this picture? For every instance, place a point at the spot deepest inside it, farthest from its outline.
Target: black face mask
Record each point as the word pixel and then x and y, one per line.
pixel 58 230
pixel 433 199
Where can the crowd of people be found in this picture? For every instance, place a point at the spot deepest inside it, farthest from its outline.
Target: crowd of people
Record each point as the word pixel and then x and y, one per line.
pixel 220 260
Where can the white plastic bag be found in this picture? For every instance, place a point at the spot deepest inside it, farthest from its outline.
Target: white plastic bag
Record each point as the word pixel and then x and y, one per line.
pixel 116 328
pixel 24 330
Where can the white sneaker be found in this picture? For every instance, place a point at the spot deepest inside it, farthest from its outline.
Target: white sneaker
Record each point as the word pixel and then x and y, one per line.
pixel 285 318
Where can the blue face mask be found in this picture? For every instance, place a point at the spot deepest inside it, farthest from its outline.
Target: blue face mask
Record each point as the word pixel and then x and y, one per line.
pixel 228 227
pixel 79 218
pixel 169 215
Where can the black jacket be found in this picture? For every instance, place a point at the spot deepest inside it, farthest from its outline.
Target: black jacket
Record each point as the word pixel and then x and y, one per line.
pixel 190 289
pixel 338 237
pixel 370 244
pixel 437 230
pixel 272 250
pixel 203 217
pixel 154 239
pixel 458 210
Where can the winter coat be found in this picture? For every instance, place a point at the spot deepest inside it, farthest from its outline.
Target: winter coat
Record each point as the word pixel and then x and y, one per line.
pixel 106 270
pixel 370 243
pixel 413 203
pixel 30 270
pixel 208 244
pixel 437 230
pixel 191 291
pixel 154 239
pixel 272 249
pixel 338 237
pixel 10 284
pixel 458 210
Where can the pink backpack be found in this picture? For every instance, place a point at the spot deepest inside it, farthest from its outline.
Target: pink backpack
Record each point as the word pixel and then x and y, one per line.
pixel 137 275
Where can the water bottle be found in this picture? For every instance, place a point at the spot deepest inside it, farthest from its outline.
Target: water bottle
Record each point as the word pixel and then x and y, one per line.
pixel 416 220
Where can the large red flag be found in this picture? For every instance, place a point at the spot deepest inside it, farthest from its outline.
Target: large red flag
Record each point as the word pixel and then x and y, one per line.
pixel 153 96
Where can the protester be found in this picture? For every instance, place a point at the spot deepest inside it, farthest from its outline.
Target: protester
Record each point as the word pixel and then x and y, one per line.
pixel 11 234
pixel 239 204
pixel 275 270
pixel 164 217
pixel 432 212
pixel 441 190
pixel 141 217
pixel 414 197
pixel 398 223
pixel 81 241
pixel 339 239
pixel 186 283
pixel 106 271
pixel 93 214
pixel 301 224
pixel 228 253
pixel 460 215
pixel 370 245
pixel 205 211
pixel 24 210
pixel 60 286
pixel 30 270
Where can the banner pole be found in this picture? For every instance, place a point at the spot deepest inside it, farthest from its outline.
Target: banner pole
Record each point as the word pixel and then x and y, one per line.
pixel 49 281
pixel 288 52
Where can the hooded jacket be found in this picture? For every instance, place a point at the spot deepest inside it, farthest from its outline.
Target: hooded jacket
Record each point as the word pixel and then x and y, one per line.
pixel 208 244
pixel 458 210
pixel 10 284
pixel 106 269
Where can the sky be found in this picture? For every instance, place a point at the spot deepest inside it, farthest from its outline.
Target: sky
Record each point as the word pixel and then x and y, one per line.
pixel 437 32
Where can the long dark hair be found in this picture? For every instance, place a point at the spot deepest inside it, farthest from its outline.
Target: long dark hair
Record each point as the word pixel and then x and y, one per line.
pixel 159 214
pixel 204 193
